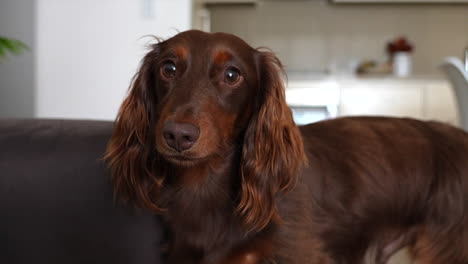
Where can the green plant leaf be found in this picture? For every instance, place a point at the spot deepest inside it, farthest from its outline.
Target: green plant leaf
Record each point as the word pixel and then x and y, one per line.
pixel 2 51
pixel 13 46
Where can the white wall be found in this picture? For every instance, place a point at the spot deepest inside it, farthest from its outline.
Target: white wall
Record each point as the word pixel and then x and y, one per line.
pixel 17 74
pixel 88 51
pixel 322 36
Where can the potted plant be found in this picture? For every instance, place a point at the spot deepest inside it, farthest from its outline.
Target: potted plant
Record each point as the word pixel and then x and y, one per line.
pixel 13 46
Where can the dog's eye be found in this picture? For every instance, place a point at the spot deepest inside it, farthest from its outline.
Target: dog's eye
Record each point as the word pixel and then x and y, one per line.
pixel 232 76
pixel 168 69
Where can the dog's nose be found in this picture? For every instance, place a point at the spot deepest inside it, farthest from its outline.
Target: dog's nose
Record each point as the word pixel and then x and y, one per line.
pixel 180 136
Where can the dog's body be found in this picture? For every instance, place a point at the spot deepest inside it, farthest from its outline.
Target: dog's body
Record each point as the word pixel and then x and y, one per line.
pixel 205 138
pixel 380 184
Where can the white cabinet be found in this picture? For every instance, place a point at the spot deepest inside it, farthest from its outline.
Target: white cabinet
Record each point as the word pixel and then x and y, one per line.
pixel 314 100
pixel 429 99
pixel 424 98
pixel 440 102
pixel 319 93
pixel 367 98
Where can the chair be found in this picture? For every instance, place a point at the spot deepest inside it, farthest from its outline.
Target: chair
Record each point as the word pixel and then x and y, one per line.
pixel 458 77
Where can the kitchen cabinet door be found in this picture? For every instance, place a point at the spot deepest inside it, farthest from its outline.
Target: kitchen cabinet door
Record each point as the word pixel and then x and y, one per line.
pixel 402 100
pixel 440 103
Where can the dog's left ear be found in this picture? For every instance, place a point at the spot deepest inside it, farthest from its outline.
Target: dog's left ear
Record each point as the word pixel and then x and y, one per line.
pixel 272 151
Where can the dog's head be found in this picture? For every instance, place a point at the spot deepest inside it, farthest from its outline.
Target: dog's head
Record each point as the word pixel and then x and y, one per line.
pixel 197 98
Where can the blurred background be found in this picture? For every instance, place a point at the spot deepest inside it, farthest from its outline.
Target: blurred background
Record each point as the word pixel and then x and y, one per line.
pixel 407 58
pixel 343 57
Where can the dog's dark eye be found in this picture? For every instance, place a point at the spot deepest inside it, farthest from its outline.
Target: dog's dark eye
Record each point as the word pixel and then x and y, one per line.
pixel 168 69
pixel 232 76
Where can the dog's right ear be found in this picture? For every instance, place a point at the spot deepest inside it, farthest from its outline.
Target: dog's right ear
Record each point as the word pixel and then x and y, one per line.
pixel 128 155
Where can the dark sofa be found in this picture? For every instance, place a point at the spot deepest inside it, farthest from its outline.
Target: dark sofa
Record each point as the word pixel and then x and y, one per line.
pixel 56 200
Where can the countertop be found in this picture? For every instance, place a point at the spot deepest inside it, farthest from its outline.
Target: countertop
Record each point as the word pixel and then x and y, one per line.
pixel 317 77
pixel 309 89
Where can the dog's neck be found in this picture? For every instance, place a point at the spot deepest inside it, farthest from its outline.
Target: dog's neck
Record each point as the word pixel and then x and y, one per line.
pixel 201 201
pixel 212 184
pixel 219 171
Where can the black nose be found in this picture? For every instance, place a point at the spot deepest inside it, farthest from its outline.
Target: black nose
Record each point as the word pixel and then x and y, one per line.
pixel 180 136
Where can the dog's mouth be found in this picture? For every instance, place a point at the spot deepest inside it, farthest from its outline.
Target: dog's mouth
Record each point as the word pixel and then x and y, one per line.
pixel 183 159
pixel 188 157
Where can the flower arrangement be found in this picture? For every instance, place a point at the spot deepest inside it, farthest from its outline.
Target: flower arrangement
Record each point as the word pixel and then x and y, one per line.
pixel 399 45
pixel 400 55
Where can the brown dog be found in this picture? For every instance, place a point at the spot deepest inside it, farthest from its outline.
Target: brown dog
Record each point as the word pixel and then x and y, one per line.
pixel 206 139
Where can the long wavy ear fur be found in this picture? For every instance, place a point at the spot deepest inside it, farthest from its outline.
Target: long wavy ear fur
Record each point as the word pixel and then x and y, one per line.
pixel 272 151
pixel 131 161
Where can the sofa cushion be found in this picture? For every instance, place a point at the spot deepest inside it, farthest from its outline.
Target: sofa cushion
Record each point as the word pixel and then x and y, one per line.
pixel 56 200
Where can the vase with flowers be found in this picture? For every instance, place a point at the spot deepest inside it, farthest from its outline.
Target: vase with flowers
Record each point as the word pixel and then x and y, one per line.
pixel 400 51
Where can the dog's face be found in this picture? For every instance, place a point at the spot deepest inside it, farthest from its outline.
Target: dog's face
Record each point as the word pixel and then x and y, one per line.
pixel 199 98
pixel 206 86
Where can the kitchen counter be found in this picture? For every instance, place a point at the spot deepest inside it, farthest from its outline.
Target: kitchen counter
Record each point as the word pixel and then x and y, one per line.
pixel 320 76
pixel 418 96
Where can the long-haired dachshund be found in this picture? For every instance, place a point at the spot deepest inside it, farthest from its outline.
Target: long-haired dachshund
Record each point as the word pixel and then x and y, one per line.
pixel 205 138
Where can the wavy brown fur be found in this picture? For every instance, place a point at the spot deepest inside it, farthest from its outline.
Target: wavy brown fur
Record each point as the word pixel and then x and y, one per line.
pixel 241 191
